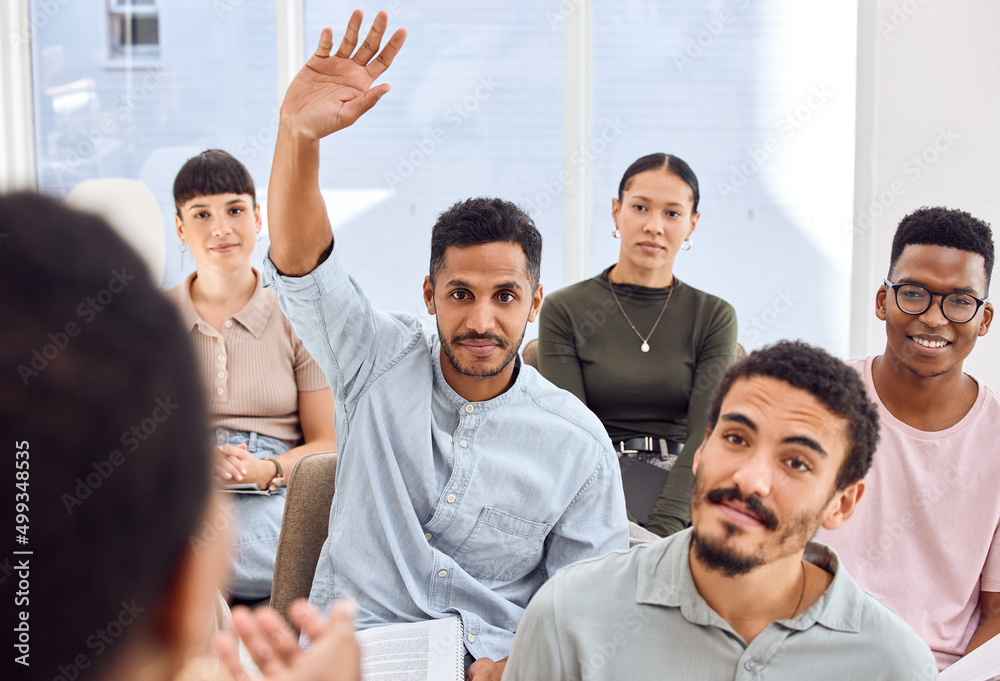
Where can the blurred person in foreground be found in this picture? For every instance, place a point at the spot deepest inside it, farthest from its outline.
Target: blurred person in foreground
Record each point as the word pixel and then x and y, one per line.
pixel 743 593
pixel 124 544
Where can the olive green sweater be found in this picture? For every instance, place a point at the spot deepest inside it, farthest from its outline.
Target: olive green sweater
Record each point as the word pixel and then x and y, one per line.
pixel 587 347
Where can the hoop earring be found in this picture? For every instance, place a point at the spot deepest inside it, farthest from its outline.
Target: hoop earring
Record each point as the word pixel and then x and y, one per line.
pixel 616 233
pixel 183 247
pixel 686 246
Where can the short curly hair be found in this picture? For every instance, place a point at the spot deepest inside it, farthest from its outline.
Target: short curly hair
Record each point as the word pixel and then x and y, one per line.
pixel 837 386
pixel 486 220
pixel 947 227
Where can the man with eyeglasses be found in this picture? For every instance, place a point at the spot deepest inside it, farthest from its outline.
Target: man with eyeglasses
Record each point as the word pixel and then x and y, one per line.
pixel 926 540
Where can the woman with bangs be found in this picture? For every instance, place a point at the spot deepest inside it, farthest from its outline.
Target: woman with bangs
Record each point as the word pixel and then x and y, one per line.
pixel 270 403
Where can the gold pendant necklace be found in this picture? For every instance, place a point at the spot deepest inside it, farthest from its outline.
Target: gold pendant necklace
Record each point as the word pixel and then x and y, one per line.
pixel 645 341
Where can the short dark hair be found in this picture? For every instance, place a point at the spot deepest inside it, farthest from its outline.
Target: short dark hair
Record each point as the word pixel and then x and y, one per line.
pixel 100 392
pixel 486 220
pixel 837 386
pixel 949 227
pixel 211 172
pixel 668 162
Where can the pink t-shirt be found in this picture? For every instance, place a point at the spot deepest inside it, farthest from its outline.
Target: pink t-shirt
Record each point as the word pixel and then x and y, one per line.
pixel 924 536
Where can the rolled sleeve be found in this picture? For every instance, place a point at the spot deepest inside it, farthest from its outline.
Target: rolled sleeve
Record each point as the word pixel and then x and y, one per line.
pixel 349 339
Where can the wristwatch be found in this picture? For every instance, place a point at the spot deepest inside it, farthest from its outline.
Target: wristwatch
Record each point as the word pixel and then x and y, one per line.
pixel 279 476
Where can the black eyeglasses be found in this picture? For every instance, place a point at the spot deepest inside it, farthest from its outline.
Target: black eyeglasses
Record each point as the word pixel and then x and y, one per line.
pixel 916 299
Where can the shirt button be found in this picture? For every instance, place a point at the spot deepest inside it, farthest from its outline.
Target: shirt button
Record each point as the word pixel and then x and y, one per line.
pixel 229 323
pixel 450 498
pixel 469 409
pixel 222 374
pixel 471 638
pixel 218 339
pixel 427 535
pixel 442 573
pixel 751 665
pixel 464 444
pixel 220 391
pixel 222 358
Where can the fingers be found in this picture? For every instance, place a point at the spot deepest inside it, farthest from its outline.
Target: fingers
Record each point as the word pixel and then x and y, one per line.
pixel 350 37
pixel 389 52
pixel 283 641
pixel 343 612
pixel 254 638
pixel 373 40
pixel 227 648
pixel 325 43
pixel 355 108
pixel 307 619
pixel 230 468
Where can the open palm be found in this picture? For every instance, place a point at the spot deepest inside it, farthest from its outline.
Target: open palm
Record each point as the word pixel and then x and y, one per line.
pixel 330 92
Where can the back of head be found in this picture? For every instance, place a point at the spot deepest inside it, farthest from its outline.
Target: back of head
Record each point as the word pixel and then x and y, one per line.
pixel 667 162
pixel 946 227
pixel 485 221
pixel 211 172
pixel 99 392
pixel 834 384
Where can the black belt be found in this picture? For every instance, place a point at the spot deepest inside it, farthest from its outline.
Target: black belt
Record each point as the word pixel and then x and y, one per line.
pixel 634 445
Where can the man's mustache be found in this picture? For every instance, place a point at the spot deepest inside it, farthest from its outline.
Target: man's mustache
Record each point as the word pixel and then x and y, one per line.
pixel 490 337
pixel 752 502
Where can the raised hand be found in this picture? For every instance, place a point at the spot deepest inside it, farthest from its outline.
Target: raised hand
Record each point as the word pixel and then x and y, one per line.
pixel 331 91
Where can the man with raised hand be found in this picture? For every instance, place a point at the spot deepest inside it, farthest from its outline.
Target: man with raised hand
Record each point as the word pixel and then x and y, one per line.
pixel 743 593
pixel 927 541
pixel 464 479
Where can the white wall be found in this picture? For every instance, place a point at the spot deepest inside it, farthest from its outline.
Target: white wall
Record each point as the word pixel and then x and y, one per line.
pixel 928 74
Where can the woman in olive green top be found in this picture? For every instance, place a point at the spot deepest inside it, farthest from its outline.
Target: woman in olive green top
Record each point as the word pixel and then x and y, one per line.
pixel 638 346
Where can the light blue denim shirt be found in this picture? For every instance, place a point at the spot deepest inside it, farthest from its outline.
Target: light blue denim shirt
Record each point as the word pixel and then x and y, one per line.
pixel 445 506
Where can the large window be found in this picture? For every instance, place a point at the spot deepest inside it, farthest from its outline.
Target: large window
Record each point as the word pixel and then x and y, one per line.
pixel 476 109
pixel 758 96
pixel 98 114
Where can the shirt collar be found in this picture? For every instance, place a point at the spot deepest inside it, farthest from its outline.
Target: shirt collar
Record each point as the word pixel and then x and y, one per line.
pixel 664 578
pixel 253 316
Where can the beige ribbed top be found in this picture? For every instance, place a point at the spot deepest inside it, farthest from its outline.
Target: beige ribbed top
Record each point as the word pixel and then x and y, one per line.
pixel 255 369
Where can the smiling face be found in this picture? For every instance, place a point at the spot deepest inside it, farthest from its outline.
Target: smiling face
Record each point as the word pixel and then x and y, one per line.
pixel 220 229
pixel 483 299
pixel 766 477
pixel 929 344
pixel 655 215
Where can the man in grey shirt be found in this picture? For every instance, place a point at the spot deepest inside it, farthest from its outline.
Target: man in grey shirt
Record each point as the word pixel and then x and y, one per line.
pixel 743 593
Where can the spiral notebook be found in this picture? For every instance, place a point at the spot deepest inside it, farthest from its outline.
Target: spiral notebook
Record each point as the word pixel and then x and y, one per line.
pixel 431 650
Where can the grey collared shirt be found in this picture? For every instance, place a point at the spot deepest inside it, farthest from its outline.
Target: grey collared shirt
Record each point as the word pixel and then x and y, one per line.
pixel 637 615
pixel 445 506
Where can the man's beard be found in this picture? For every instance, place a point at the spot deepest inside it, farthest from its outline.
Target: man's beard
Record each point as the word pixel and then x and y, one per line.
pixel 715 555
pixel 501 343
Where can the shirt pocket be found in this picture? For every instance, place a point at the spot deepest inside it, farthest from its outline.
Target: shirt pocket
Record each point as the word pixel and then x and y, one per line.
pixel 502 547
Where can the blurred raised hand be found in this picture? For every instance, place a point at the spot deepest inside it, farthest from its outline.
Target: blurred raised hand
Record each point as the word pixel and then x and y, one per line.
pixel 274 647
